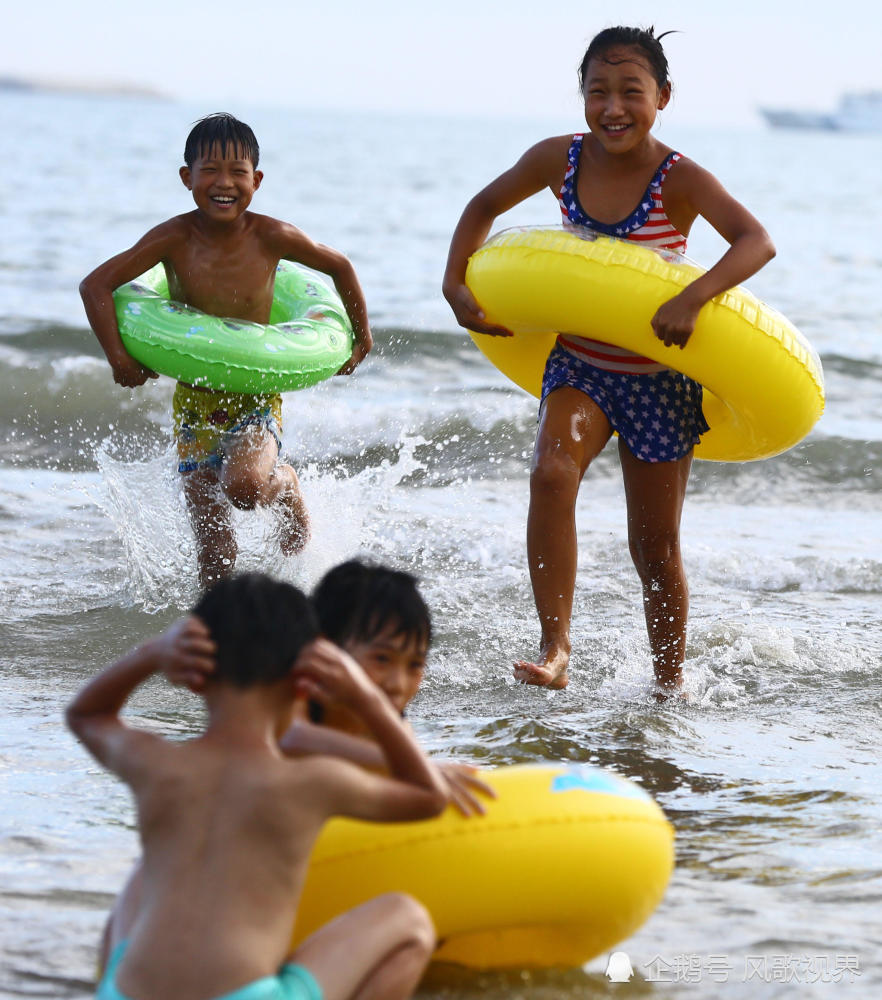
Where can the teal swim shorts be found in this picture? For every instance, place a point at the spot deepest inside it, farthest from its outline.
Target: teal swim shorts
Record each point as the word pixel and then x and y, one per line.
pixel 293 982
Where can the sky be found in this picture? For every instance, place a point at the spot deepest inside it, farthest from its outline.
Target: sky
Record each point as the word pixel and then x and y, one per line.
pixel 451 57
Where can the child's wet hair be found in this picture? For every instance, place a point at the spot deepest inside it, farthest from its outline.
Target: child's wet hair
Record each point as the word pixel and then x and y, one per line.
pixel 644 39
pixel 225 132
pixel 260 626
pixel 357 601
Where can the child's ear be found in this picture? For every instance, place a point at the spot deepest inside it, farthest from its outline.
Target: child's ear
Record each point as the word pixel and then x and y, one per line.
pixel 258 177
pixel 185 178
pixel 664 95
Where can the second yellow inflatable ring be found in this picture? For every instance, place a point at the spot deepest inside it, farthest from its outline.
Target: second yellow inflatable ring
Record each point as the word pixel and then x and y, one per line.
pixel 763 382
pixel 568 860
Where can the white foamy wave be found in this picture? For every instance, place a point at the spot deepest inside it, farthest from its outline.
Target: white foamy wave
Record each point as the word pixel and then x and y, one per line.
pixel 833 571
pixel 732 660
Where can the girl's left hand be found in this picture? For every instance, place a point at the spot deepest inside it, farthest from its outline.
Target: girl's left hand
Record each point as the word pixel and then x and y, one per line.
pixel 675 320
pixel 470 315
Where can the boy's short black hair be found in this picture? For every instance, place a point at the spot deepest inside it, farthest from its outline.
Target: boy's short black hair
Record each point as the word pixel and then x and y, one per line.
pixel 358 600
pixel 260 626
pixel 224 131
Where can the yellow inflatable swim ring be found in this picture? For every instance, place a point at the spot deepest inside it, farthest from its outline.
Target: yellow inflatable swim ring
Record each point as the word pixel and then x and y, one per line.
pixel 567 861
pixel 763 382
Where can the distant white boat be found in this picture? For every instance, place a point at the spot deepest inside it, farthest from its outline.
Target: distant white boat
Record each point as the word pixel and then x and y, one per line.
pixel 857 112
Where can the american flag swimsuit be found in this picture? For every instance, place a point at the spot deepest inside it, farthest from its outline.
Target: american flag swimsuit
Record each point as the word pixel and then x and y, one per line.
pixel 655 410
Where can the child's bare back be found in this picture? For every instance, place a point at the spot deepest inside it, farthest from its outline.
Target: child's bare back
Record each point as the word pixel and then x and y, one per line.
pixel 227 831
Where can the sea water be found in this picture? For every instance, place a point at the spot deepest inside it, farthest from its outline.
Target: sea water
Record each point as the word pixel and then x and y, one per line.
pixel 769 772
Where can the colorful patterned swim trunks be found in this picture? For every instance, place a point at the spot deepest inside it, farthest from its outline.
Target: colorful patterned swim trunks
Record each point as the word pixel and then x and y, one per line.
pixel 206 422
pixel 657 414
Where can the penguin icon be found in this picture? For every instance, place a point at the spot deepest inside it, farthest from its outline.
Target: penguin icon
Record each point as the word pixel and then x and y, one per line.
pixel 618 968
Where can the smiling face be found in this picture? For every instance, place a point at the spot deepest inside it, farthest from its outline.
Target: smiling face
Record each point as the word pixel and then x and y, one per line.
pixel 395 661
pixel 622 98
pixel 223 182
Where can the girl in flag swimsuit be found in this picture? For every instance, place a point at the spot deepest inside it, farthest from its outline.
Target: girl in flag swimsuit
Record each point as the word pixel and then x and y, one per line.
pixel 591 389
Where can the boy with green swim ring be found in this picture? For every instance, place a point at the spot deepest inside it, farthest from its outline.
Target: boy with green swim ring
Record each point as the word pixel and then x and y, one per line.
pixel 227 822
pixel 221 259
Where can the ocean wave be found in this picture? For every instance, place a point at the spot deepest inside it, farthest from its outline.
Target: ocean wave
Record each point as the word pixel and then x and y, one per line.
pixel 58 402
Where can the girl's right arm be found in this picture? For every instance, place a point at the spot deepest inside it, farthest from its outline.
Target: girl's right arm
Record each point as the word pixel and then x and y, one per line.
pixel 534 171
pixel 96 291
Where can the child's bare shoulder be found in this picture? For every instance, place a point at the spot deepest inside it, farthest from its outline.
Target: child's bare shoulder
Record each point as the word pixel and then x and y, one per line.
pixel 553 143
pixel 689 183
pixel 141 758
pixel 542 165
pixel 684 174
pixel 173 232
pixel 276 234
pixel 550 152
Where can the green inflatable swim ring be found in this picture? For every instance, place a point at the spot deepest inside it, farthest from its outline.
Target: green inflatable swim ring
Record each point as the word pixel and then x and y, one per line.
pixel 308 338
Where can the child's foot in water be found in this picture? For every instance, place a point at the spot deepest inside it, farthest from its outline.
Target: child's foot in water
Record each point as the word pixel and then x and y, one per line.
pixel 674 696
pixel 670 685
pixel 551 669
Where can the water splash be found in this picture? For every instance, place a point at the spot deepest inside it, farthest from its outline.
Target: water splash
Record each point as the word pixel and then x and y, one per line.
pixel 144 501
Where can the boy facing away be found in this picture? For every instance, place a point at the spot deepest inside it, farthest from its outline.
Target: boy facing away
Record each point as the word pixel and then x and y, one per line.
pixel 221 259
pixel 227 822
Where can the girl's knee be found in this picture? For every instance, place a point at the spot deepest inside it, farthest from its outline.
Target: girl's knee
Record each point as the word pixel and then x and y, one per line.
pixel 655 557
pixel 554 474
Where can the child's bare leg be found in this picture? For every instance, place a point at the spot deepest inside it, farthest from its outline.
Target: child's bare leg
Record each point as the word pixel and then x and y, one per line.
pixel 293 515
pixel 572 432
pixel 377 951
pixel 252 476
pixel 655 494
pixel 210 517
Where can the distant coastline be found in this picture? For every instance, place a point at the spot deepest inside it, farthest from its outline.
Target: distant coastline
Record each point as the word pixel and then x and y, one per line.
pixel 23 85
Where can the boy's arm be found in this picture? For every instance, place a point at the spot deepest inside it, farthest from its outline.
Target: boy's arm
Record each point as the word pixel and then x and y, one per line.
pixel 297 246
pixel 323 671
pixel 96 291
pixel 304 737
pixel 461 780
pixel 185 653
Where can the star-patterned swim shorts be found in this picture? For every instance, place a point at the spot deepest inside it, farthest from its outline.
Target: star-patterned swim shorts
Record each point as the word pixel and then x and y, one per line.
pixel 657 414
pixel 206 422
